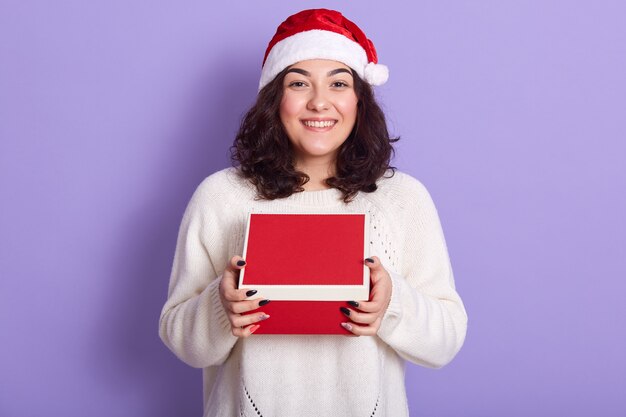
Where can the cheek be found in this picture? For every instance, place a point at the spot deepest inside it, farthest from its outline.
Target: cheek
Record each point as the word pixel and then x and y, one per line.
pixel 289 108
pixel 348 108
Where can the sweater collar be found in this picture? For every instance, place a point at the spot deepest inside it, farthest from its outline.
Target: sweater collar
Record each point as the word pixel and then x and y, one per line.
pixel 329 197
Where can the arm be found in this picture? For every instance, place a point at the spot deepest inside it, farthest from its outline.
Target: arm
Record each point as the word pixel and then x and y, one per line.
pixel 193 323
pixel 425 321
pixel 418 312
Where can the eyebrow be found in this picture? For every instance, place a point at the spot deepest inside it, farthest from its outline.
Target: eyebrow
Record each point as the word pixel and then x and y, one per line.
pixel 328 74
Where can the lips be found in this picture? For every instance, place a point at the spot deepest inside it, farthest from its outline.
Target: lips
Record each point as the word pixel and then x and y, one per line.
pixel 319 124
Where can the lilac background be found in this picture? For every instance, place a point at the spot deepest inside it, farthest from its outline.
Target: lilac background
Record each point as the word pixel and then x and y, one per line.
pixel 511 113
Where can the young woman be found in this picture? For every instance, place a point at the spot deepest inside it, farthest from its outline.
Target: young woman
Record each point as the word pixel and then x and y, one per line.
pixel 315 141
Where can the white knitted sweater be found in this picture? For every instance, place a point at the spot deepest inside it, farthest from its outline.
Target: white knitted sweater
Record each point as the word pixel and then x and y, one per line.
pixel 288 375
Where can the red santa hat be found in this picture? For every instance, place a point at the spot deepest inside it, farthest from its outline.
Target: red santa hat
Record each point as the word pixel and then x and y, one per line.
pixel 322 34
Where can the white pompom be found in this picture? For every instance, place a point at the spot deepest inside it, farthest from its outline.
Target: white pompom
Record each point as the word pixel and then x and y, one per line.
pixel 376 74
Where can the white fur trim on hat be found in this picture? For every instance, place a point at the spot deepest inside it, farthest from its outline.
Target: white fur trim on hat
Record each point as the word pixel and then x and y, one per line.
pixel 317 44
pixel 376 74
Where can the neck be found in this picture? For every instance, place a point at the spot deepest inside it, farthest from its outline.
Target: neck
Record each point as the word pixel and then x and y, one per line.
pixel 318 172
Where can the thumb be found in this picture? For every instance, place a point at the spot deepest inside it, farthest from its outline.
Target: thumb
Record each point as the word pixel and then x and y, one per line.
pixel 231 272
pixel 375 266
pixel 373 263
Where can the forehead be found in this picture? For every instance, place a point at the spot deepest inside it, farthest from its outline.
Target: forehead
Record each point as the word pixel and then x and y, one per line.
pixel 320 65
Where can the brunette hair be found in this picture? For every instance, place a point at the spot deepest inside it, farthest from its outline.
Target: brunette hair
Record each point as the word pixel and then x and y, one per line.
pixel 264 152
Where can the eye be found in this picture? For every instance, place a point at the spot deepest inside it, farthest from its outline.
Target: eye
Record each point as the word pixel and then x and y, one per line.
pixel 297 84
pixel 340 84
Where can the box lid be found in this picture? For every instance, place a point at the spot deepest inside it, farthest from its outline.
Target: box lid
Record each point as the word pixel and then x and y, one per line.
pixel 307 256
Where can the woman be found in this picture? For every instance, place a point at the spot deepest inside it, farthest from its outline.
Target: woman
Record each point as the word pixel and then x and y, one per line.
pixel 315 141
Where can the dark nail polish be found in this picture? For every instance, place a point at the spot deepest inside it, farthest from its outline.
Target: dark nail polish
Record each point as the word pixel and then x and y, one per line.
pixel 241 263
pixel 344 311
pixel 353 303
pixel 250 293
pixel 370 260
pixel 263 302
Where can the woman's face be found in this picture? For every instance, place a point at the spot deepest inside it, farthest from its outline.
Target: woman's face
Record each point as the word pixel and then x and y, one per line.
pixel 318 109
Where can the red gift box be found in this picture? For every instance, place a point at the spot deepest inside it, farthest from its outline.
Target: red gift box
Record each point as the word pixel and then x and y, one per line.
pixel 308 265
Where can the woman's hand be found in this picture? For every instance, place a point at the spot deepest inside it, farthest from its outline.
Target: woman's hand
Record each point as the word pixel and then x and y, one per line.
pixel 366 318
pixel 235 303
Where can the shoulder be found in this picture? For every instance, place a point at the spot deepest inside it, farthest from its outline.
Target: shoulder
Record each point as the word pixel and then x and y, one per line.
pixel 406 201
pixel 225 181
pixel 401 188
pixel 226 186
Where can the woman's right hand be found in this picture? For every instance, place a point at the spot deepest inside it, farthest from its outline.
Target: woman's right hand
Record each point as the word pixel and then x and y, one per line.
pixel 235 303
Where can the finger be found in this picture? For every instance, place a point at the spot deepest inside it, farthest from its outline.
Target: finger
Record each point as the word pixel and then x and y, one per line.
pixel 373 263
pixel 236 263
pixel 373 306
pixel 377 270
pixel 362 306
pixel 246 331
pixel 230 281
pixel 247 319
pixel 233 294
pixel 229 277
pixel 358 317
pixel 359 330
pixel 233 267
pixel 349 327
pixel 239 307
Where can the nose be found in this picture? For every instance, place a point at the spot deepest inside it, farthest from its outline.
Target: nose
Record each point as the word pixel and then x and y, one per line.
pixel 318 101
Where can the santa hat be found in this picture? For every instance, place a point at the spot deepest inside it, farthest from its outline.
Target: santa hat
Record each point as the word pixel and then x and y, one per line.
pixel 322 34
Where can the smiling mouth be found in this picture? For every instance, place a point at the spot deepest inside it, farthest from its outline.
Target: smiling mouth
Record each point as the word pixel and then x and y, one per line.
pixel 319 124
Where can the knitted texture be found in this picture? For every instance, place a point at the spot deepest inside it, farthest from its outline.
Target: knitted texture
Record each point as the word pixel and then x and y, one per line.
pixel 301 375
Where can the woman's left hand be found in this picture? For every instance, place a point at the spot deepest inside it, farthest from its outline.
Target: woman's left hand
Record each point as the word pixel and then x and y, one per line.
pixel 365 316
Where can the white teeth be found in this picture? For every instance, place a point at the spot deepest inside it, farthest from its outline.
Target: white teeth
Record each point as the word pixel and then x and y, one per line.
pixel 325 123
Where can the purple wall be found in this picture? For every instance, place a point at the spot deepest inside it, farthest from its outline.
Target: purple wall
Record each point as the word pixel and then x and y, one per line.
pixel 511 113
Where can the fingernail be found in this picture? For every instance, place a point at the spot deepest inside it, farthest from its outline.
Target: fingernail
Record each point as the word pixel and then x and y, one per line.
pixel 251 293
pixel 254 328
pixel 241 263
pixel 370 260
pixel 353 303
pixel 344 311
pixel 264 317
pixel 347 326
pixel 263 302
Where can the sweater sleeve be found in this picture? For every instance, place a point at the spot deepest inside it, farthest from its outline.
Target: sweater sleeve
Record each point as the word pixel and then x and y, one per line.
pixel 193 323
pixel 426 321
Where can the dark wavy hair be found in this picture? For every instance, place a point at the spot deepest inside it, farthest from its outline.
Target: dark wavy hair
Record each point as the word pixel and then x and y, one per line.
pixel 266 158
